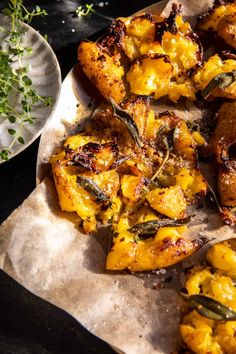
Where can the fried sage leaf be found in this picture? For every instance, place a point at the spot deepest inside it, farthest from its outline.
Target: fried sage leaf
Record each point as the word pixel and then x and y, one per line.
pixel 92 188
pixel 150 227
pixel 222 81
pixel 128 121
pixel 210 308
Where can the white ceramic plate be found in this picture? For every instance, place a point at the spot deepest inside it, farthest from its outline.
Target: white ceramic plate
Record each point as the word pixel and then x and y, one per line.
pixel 46 77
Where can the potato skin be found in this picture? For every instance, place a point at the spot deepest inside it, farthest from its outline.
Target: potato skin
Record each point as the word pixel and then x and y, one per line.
pixel 227 29
pixel 103 70
pixel 225 132
pixel 227 187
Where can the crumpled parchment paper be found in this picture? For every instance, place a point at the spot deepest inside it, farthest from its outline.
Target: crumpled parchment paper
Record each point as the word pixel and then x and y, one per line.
pixel 42 248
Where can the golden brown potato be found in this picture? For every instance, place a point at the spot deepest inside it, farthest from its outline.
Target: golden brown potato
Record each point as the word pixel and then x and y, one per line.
pixel 224 135
pixel 152 55
pixel 217 78
pixel 105 71
pixel 227 187
pixel 200 330
pixel 209 20
pixel 165 249
pixel 227 29
pixel 168 201
pixel 102 172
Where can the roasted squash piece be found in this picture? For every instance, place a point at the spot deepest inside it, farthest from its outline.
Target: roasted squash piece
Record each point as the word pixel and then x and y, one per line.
pixel 105 71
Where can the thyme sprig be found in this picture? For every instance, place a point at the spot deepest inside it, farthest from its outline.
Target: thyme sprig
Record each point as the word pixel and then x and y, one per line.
pixel 84 10
pixel 17 96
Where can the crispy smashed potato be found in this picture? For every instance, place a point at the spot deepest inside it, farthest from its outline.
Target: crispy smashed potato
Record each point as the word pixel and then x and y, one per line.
pixel 223 146
pixel 221 18
pixel 105 72
pixel 224 135
pixel 227 29
pixel 153 55
pixel 200 329
pixel 216 78
pixel 165 248
pixel 128 167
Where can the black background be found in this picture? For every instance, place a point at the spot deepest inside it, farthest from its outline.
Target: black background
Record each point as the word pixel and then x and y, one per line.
pixel 27 323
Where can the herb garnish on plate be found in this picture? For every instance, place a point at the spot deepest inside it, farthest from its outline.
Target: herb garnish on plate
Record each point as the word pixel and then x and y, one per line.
pixel 15 84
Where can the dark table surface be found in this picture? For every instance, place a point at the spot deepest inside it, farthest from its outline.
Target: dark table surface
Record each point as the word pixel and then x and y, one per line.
pixel 27 323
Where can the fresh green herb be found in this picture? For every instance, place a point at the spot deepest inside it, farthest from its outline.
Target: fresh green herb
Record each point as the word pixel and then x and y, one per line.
pixel 149 228
pixel 15 85
pixel 210 308
pixel 84 10
pixel 128 121
pixel 222 81
pixel 92 188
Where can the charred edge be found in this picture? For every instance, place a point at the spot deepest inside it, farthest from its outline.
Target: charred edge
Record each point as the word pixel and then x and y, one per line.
pixel 200 242
pixel 146 16
pixel 194 37
pixel 84 161
pixel 152 56
pixel 168 25
pixel 228 55
pixel 136 99
pixel 225 154
pixel 201 18
pixel 116 32
pixel 228 217
pixel 96 148
pixel 166 113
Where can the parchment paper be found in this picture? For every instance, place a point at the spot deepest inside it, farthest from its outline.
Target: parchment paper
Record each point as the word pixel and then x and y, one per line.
pixel 41 247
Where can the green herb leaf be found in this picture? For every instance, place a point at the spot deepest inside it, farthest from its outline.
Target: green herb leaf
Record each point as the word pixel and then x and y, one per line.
pixel 15 83
pixel 27 80
pixel 222 81
pixel 150 227
pixel 12 119
pixel 11 131
pixel 4 154
pixel 84 11
pixel 91 187
pixel 210 308
pixel 128 121
pixel 21 140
